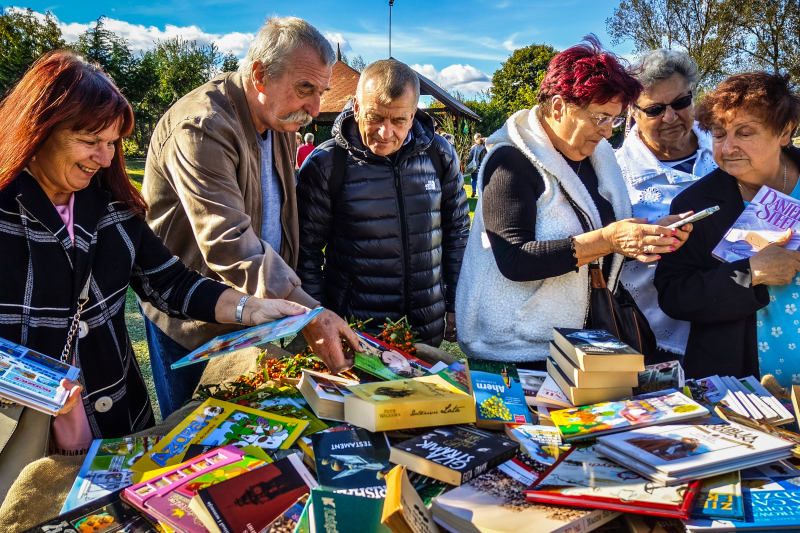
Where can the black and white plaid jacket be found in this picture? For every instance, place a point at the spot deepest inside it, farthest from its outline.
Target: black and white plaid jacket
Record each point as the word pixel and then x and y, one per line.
pixel 42 274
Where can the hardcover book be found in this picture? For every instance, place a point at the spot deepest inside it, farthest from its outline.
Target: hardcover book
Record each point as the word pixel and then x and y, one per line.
pixel 325 393
pixel 408 403
pixel 720 498
pixel 218 423
pixel 612 417
pixel 386 362
pixel 660 376
pixel 253 500
pixel 591 380
pixel 342 513
pixel 495 503
pixel 403 509
pixel 580 396
pixel 531 381
pixel 769 214
pixel 543 443
pixel 108 514
pixel 595 350
pixel 454 454
pixel 106 469
pixel 499 398
pixel 32 379
pixel 583 478
pixel 167 496
pixel 352 462
pixel 245 338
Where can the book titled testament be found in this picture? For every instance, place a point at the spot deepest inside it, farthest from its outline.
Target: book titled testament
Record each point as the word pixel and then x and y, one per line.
pixel 762 222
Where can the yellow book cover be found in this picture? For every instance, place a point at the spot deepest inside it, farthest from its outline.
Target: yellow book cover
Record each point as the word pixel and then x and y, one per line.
pixel 217 423
pixel 408 403
pixel 403 509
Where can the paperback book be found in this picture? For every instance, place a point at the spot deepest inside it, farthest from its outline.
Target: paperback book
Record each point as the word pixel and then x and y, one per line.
pixel 386 362
pixel 767 217
pixel 325 393
pixel 33 379
pixel 343 513
pixel 495 502
pixel 407 403
pixel 531 381
pixel 584 478
pixel 217 423
pixel 352 462
pixel 596 350
pixel 403 509
pixel 661 376
pixel 245 338
pixel 592 421
pixel 550 395
pixel 499 397
pixel 456 375
pixel 592 379
pixel 107 469
pixel 581 396
pixel 543 443
pixel 454 454
pixel 289 520
pixel 720 498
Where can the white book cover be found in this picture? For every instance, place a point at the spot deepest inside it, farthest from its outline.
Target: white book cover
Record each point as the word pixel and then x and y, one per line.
pixel 676 449
pixel 551 394
pixel 328 387
pixel 751 383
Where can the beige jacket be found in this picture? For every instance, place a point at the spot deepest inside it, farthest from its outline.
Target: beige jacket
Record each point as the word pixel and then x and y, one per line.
pixel 202 181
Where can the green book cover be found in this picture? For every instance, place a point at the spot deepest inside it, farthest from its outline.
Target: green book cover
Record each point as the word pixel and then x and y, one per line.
pixel 342 513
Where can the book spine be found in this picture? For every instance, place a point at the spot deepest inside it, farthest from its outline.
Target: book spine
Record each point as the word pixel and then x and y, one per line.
pixel 214 513
pixel 490 464
pixel 589 522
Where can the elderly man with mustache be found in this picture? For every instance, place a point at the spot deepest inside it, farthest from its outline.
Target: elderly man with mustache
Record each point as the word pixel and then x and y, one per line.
pixel 220 184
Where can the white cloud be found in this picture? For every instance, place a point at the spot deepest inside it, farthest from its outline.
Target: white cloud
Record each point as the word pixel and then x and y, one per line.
pixel 338 38
pixel 462 78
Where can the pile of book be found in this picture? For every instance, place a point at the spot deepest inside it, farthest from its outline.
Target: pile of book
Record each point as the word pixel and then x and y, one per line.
pixel 478 446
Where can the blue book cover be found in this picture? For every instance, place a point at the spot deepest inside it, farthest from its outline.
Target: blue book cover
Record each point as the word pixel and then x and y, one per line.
pixel 499 397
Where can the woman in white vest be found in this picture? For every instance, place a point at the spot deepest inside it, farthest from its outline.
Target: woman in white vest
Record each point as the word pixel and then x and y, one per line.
pixel 525 268
pixel 664 153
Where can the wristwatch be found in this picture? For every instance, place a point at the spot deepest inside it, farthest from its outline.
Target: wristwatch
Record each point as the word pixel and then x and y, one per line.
pixel 240 309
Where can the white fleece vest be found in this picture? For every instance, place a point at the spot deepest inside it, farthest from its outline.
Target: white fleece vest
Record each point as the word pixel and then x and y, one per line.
pixel 500 319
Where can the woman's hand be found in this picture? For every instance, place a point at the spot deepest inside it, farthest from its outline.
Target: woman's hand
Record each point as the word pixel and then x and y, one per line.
pixel 635 238
pixel 74 397
pixel 774 264
pixel 258 310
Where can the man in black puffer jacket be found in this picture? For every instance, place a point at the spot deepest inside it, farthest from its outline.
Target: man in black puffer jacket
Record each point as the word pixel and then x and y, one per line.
pixel 393 230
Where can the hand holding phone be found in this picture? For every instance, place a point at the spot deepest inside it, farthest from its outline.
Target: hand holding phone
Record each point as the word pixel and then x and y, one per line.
pixel 694 218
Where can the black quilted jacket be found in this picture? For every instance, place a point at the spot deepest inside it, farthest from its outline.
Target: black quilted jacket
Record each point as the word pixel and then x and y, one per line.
pixel 394 241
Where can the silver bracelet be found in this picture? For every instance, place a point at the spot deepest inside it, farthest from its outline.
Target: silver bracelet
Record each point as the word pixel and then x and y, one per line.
pixel 240 309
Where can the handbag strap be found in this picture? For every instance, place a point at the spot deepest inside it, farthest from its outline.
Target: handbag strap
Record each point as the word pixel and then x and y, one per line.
pixel 73 328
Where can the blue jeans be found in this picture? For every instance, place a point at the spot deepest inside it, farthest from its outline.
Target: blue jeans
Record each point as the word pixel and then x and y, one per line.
pixel 173 387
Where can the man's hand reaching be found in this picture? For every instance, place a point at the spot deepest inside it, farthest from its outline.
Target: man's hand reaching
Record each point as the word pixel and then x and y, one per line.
pixel 324 334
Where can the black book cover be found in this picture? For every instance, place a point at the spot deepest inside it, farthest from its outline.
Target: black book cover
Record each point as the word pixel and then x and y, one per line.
pixel 352 462
pixel 595 341
pixel 108 514
pixel 464 449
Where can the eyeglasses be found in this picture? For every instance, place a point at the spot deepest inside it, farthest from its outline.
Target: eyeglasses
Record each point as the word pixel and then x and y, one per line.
pixel 615 122
pixel 658 109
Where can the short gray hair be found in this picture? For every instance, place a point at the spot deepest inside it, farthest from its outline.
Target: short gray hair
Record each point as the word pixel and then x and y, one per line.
pixel 275 42
pixel 309 138
pixel 392 79
pixel 657 65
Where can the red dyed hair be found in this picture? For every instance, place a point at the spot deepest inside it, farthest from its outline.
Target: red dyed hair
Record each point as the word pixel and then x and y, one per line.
pixel 63 90
pixel 585 74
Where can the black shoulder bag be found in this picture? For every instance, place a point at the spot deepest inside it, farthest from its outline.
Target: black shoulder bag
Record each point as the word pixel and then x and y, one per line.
pixel 613 310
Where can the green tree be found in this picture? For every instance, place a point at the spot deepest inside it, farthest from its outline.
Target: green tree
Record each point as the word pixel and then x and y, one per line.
pixel 707 30
pixel 769 37
pixel 23 39
pixel 516 83
pixel 111 52
pixel 357 63
pixel 492 114
pixel 181 67
pixel 229 63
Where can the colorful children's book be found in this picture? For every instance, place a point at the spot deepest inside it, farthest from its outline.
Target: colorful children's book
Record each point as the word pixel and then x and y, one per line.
pixel 454 454
pixel 245 338
pixel 499 398
pixel 767 217
pixel 584 478
pixel 342 513
pixel 386 362
pixel 403 509
pixel 543 443
pixel 275 401
pixel 720 498
pixel 167 496
pixel 106 469
pixel 33 379
pixel 352 462
pixel 408 403
pixel 591 421
pixel 660 376
pixel 218 423
pixel 456 375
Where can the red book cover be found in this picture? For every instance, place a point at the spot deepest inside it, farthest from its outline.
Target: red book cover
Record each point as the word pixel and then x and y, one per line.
pixel 251 501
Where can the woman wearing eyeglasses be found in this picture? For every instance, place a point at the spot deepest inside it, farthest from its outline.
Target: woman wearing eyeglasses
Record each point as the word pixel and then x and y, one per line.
pixel 664 153
pixel 525 268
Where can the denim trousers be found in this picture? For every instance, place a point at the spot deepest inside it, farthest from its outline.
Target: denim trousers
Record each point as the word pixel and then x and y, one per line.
pixel 173 387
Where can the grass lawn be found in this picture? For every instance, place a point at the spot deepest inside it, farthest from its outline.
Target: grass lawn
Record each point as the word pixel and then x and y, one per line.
pixel 135 323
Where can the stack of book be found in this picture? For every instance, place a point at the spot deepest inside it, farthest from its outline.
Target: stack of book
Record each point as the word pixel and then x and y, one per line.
pixel 591 366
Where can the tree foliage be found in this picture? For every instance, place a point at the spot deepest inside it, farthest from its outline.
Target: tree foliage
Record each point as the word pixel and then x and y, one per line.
pixel 357 63
pixel 229 63
pixel 516 83
pixel 24 37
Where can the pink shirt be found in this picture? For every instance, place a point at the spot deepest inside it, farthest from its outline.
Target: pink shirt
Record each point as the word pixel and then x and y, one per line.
pixel 71 431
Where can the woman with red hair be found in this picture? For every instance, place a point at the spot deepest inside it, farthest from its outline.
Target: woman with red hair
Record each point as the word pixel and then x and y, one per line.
pixel 552 200
pixel 73 239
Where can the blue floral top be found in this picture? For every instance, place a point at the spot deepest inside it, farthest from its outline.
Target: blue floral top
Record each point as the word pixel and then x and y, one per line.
pixel 778 326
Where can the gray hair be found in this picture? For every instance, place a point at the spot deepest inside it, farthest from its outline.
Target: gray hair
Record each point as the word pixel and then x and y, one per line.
pixel 657 65
pixel 275 42
pixel 392 78
pixel 309 138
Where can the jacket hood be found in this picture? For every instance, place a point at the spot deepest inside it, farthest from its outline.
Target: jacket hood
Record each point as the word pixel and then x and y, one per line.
pixel 345 131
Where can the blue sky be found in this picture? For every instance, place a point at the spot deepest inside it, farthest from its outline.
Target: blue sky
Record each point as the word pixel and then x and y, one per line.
pixel 457 43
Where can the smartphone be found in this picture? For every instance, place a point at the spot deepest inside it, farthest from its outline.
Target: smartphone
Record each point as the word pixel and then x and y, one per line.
pixel 694 218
